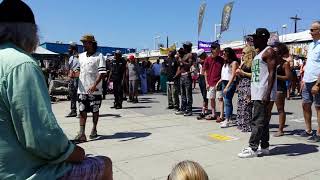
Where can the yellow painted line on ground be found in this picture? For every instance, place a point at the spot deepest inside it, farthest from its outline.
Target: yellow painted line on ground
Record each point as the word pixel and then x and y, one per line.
pixel 220 137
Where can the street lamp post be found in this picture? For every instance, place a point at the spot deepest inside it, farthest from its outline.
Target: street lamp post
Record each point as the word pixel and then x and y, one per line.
pixel 284 27
pixel 156 40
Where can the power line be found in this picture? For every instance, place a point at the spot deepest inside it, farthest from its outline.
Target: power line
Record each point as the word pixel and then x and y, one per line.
pixel 295 19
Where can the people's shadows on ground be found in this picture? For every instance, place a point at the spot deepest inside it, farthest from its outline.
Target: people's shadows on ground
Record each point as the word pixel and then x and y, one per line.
pixel 144 101
pixel 125 136
pixel 275 126
pixel 136 107
pixel 276 113
pixel 108 115
pixel 294 149
pixel 145 98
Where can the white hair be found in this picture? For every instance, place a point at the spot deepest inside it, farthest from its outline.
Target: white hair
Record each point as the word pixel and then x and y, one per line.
pixel 23 35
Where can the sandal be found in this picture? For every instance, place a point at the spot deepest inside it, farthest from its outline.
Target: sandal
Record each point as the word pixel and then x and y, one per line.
pixel 93 134
pixel 219 119
pixel 80 138
pixel 210 117
pixel 201 116
pixel 278 134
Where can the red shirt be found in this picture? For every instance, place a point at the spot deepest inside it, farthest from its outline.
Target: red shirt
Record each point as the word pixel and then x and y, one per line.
pixel 213 68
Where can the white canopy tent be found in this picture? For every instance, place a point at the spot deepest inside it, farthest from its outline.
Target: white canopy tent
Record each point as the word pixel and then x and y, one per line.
pixel 43 51
pixel 296 37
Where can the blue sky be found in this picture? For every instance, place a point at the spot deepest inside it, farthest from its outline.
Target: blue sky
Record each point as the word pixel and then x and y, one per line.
pixel 135 23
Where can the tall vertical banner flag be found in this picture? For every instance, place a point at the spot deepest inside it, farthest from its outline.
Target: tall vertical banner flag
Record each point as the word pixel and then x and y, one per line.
pixel 226 16
pixel 201 15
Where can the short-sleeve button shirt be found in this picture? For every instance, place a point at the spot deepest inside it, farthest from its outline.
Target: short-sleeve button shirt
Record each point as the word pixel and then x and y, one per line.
pixel 90 68
pixel 312 70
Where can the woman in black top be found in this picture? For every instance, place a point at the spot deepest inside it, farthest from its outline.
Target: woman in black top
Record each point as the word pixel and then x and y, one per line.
pixel 245 105
pixel 283 74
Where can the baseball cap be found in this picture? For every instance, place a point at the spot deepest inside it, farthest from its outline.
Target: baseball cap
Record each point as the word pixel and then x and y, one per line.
pixel 16 11
pixel 131 57
pixel 118 52
pixel 215 45
pixel 200 52
pixel 88 38
pixel 261 32
pixel 73 44
pixel 187 43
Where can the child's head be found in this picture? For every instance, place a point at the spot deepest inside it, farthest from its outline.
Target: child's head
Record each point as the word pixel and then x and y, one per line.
pixel 188 170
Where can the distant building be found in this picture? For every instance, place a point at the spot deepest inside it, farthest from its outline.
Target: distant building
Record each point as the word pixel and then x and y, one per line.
pixel 63 48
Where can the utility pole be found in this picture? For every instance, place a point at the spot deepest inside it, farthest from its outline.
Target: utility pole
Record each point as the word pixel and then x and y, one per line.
pixel 167 41
pixel 295 19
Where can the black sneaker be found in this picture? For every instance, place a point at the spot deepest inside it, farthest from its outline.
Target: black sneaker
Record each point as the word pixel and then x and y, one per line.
pixel 179 113
pixel 314 139
pixel 170 107
pixel 305 134
pixel 187 114
pixel 201 116
pixel 71 114
pixel 80 138
pixel 93 135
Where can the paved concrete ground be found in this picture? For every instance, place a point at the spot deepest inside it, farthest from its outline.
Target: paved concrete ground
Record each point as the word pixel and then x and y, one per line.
pixel 145 141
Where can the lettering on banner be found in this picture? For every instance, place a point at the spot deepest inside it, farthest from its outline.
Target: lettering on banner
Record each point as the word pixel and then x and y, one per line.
pixel 256 71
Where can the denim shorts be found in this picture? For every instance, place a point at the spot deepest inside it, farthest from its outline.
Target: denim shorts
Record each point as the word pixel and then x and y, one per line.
pixel 307 97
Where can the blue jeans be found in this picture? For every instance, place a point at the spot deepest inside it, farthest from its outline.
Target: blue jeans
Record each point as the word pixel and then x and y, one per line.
pixel 203 88
pixel 73 89
pixel 227 98
pixel 186 93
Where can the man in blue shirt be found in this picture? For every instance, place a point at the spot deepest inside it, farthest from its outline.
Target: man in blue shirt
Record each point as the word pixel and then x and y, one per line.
pixel 311 79
pixel 156 74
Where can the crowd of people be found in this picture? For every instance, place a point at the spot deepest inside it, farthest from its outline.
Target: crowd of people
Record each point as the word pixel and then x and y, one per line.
pixel 28 126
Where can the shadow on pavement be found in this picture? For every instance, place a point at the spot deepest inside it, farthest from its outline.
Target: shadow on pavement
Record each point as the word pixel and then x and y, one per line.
pixel 142 101
pixel 294 149
pixel 107 115
pixel 275 126
pixel 276 113
pixel 145 98
pixel 136 107
pixel 125 136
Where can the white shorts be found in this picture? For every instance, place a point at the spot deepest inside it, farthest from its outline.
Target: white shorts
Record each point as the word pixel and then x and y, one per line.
pixel 212 93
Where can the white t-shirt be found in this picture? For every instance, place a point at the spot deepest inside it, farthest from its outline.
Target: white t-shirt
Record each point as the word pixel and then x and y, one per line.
pixel 90 68
pixel 297 62
pixel 226 72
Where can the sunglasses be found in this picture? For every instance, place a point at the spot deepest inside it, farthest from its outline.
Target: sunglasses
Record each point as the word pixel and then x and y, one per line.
pixel 312 30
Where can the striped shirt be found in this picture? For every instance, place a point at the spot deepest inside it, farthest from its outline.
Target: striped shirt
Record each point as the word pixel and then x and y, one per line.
pixel 90 68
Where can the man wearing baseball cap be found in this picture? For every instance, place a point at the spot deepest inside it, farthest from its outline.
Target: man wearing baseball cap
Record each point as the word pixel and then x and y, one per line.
pixel 73 75
pixel 202 56
pixel 171 67
pixel 263 91
pixel 133 74
pixel 32 144
pixel 92 71
pixel 118 70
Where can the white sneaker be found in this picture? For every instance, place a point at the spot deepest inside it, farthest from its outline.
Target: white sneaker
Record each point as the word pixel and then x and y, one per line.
pixel 265 151
pixel 224 124
pixel 248 153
